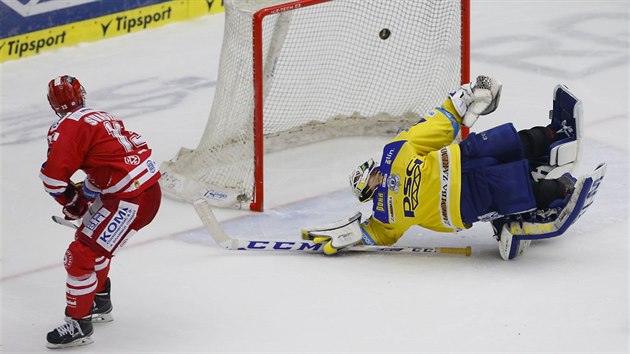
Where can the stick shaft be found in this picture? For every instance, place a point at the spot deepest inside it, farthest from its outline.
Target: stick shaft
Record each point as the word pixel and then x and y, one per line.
pixel 212 225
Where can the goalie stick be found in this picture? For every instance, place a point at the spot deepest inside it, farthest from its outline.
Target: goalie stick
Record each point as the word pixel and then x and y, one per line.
pixel 212 225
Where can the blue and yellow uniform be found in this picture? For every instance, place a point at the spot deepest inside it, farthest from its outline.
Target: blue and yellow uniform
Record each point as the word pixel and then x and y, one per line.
pixel 427 180
pixel 421 180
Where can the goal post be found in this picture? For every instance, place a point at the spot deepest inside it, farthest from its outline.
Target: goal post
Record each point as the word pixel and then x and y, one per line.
pixel 296 72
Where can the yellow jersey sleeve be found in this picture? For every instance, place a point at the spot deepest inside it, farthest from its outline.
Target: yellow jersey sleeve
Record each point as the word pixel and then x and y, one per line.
pixel 435 130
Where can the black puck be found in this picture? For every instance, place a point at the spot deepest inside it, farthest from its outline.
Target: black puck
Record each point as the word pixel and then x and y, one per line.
pixel 384 33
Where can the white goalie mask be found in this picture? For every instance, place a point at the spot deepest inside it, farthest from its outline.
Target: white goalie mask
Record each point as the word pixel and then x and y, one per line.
pixel 360 178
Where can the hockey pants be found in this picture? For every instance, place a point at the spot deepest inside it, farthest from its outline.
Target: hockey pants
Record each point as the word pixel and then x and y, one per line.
pixel 495 175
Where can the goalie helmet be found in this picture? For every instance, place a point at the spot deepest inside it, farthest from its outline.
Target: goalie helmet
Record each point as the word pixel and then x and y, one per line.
pixel 360 178
pixel 65 94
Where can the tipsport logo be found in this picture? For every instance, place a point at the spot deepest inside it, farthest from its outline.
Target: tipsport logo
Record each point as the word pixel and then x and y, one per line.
pixel 126 23
pixel 19 48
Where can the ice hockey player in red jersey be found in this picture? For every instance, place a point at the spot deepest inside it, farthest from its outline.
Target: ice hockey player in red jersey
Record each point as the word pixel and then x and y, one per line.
pixel 118 196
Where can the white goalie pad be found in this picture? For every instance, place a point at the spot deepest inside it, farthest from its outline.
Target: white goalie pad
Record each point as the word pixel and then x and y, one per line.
pixel 509 246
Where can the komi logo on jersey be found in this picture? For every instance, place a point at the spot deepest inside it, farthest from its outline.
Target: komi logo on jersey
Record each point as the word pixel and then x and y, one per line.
pixel 118 225
pixel 411 187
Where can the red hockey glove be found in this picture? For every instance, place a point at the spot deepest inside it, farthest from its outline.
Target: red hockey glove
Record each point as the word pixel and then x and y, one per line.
pixel 68 196
pixel 78 205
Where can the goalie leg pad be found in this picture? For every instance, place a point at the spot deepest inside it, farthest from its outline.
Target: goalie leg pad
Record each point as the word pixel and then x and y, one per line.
pixel 566 122
pixel 510 246
pixel 535 226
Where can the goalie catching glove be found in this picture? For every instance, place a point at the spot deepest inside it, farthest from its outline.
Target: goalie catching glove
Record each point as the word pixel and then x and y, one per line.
pixel 477 99
pixel 336 236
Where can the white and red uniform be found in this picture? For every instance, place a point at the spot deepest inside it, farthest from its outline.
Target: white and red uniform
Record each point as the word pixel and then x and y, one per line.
pixel 120 174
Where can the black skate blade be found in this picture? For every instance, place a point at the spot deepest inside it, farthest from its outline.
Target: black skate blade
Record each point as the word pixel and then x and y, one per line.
pixel 102 318
pixel 98 318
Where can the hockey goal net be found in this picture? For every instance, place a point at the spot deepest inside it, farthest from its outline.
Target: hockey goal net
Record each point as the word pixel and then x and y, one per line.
pixel 296 72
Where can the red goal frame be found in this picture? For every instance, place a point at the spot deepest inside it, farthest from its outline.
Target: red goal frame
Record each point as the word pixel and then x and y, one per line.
pixel 258 197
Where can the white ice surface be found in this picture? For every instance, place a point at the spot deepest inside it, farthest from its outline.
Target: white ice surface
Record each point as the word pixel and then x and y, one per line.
pixel 174 290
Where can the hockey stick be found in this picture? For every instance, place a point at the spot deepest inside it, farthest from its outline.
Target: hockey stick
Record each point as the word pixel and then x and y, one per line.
pixel 61 221
pixel 212 225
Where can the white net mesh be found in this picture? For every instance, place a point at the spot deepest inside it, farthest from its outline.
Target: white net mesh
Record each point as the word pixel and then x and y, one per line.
pixel 342 67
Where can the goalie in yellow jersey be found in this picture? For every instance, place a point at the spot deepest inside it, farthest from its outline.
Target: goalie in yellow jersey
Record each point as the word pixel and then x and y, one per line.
pixel 519 181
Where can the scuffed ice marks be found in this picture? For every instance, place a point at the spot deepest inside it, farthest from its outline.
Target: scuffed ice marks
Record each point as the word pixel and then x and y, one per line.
pixel 127 100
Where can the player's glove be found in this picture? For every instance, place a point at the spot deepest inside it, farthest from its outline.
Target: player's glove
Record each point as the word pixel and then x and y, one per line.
pixel 77 205
pixel 336 236
pixel 477 98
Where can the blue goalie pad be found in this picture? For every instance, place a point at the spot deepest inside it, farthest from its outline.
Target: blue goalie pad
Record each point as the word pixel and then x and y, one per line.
pixel 566 121
pixel 515 232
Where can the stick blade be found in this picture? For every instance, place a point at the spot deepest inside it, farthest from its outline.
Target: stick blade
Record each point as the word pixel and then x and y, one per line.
pixel 204 210
pixel 61 221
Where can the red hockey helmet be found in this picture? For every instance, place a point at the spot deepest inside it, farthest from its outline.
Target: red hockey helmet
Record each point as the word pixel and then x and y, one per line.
pixel 65 94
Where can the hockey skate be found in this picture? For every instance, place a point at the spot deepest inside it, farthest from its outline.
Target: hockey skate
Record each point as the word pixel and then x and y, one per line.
pixel 102 306
pixel 73 333
pixel 566 123
pixel 515 232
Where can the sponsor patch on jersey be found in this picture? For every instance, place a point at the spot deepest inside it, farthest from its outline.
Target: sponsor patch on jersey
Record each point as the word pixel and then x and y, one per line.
pixel 379 205
pixel 132 160
pixel 411 187
pixel 67 259
pixel 96 220
pixel 393 183
pixel 151 166
pixel 445 182
pixel 445 172
pixel 117 226
pixel 390 209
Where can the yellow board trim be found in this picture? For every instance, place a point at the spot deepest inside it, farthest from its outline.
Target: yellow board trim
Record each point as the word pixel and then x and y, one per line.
pixel 109 26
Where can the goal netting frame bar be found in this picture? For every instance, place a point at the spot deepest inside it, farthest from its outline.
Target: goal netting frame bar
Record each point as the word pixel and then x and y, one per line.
pixel 176 184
